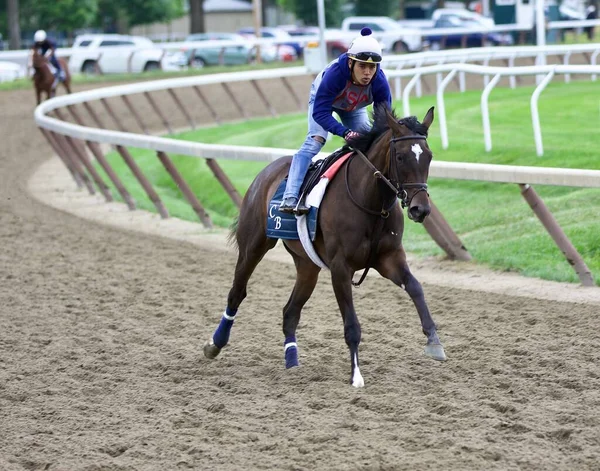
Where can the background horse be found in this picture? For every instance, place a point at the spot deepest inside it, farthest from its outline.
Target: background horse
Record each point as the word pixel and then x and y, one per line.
pixel 360 225
pixel 44 79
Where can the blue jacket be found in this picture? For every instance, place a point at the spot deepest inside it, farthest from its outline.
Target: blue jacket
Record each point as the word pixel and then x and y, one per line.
pixel 45 45
pixel 337 92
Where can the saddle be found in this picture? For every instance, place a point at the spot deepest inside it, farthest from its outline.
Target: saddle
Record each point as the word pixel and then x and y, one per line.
pixel 283 225
pixel 317 168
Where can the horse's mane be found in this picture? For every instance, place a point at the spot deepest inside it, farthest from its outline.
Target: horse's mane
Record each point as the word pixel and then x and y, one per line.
pixel 380 126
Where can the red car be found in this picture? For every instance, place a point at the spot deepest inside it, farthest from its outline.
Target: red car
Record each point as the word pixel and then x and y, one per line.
pixel 335 47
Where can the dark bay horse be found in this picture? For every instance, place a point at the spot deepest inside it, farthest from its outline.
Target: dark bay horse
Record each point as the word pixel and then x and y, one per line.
pixel 360 225
pixel 43 79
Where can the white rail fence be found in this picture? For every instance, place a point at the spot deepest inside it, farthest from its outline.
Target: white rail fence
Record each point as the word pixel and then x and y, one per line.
pixel 69 141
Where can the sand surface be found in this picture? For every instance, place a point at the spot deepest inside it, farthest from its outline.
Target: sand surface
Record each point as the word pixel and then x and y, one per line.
pixel 103 314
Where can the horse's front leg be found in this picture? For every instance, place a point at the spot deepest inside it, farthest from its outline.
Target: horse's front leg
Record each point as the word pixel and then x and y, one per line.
pixel 341 279
pixel 307 275
pixel 394 267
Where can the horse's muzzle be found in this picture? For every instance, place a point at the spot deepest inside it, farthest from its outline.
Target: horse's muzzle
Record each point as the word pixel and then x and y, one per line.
pixel 418 212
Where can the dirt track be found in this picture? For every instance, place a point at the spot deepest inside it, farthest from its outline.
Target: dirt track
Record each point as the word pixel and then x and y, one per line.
pixel 101 367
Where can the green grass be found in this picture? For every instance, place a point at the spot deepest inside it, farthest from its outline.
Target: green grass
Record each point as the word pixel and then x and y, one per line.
pixel 78 79
pixel 493 220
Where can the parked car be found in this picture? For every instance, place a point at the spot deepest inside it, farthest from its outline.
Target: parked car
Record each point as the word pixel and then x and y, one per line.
pixel 282 37
pixel 463 13
pixel 278 52
pixel 397 39
pixel 474 39
pixel 115 53
pixel 10 71
pixel 229 55
pixel 335 45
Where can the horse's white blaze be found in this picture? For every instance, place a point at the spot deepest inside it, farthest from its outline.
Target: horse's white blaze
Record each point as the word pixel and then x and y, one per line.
pixel 416 148
pixel 357 379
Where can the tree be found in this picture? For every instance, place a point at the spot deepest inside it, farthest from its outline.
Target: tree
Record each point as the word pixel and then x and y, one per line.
pixel 119 15
pixel 373 8
pixel 65 15
pixel 142 12
pixel 197 16
pixel 12 18
pixel 306 10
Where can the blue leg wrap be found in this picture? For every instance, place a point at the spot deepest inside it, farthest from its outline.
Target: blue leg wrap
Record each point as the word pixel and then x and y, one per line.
pixel 221 335
pixel 291 352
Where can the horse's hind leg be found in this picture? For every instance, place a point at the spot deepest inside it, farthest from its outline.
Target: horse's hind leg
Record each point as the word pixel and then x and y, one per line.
pixel 251 252
pixel 394 267
pixel 307 274
pixel 341 278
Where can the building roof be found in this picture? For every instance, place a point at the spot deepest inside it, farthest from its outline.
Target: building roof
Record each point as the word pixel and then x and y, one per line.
pixel 212 6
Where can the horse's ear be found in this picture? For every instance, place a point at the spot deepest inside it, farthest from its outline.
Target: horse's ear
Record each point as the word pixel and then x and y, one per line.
pixel 392 121
pixel 428 119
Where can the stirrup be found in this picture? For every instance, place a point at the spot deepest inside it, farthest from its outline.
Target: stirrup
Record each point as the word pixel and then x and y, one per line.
pixel 301 208
pixel 288 205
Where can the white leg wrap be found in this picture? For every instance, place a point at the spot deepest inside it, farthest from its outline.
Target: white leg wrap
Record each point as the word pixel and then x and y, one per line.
pixel 229 318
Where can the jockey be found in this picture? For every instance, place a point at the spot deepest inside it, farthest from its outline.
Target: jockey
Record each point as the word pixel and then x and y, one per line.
pixel 347 86
pixel 48 49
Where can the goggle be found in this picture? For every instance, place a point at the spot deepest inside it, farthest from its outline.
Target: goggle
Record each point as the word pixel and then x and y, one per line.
pixel 367 57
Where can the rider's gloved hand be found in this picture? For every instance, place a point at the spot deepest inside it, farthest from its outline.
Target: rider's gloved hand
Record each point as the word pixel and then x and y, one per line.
pixel 350 135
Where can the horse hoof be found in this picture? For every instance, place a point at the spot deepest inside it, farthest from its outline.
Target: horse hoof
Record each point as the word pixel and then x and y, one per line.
pixel 435 351
pixel 358 383
pixel 211 351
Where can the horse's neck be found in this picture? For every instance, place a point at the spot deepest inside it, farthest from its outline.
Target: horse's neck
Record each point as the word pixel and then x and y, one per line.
pixel 378 154
pixel 362 177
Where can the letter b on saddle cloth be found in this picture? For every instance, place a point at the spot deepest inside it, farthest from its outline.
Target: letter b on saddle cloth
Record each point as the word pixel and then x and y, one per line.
pixel 320 173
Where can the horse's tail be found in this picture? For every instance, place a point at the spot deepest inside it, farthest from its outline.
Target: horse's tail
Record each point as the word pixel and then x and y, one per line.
pixel 231 237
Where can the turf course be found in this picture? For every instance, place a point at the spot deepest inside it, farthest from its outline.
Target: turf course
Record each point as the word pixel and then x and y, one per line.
pixel 493 220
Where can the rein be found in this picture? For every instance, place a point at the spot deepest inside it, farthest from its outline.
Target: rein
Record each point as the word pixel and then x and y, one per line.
pixel 399 190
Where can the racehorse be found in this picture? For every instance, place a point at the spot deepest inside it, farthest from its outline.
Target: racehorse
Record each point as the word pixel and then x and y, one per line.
pixel 43 78
pixel 360 225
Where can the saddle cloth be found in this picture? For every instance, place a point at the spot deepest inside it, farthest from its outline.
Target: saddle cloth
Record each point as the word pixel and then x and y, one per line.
pixel 320 173
pixel 59 76
pixel 283 225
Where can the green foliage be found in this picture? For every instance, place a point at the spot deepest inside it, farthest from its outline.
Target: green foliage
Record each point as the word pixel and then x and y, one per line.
pixel 306 10
pixel 139 12
pixel 64 15
pixel 371 8
pixel 70 15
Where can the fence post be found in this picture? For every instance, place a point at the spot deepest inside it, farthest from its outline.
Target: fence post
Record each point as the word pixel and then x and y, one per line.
pixel 185 189
pixel 182 108
pixel 443 235
pixel 225 182
pixel 557 234
pixel 207 104
pixel 64 158
pixel 158 112
pixel 144 182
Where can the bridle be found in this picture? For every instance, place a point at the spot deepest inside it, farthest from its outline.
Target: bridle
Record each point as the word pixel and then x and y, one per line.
pixel 397 187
